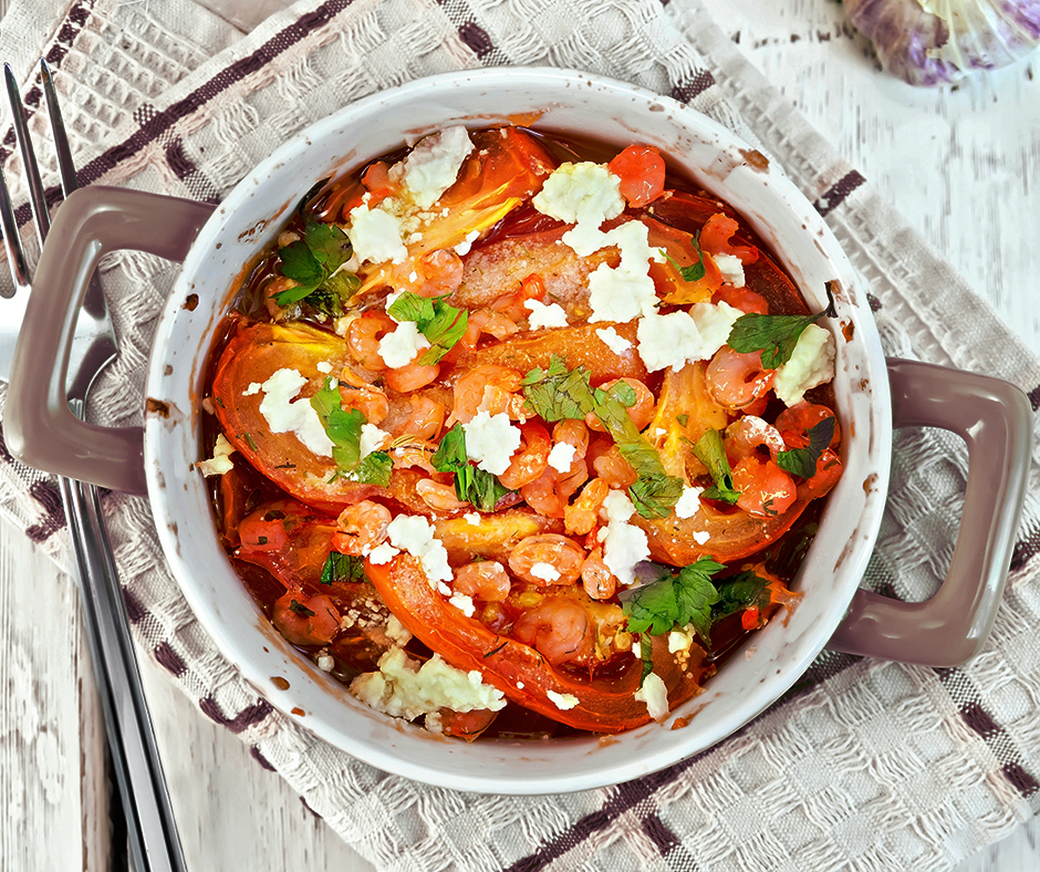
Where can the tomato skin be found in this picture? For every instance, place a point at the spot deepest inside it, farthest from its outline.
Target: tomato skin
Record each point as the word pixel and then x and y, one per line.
pixel 605 705
pixel 641 171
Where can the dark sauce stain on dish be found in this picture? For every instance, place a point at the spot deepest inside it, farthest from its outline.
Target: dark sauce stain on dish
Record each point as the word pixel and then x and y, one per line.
pixel 191 302
pixel 157 407
pixel 755 159
pixel 279 682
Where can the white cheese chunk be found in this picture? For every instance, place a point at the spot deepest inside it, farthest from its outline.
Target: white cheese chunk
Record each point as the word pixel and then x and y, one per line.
pixel 433 165
pixel 689 502
pixel 221 461
pixel 375 235
pixel 472 518
pixel 655 694
pixel 561 457
pixel 545 315
pixel 626 291
pixel 400 347
pixel 613 340
pixel 731 267
pixel 372 439
pixel 404 689
pixel 414 534
pixel 285 414
pixel 546 572
pixel 679 338
pixel 491 441
pixel 624 544
pixel 463 603
pixel 580 193
pixel 811 364
pixel 562 701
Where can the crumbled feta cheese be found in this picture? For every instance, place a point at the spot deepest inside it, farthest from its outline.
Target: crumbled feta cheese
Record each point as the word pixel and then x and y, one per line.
pixel 324 366
pixel 491 440
pixel 542 315
pixel 637 649
pixel 464 604
pixel 655 694
pixel 546 572
pixel 397 632
pixel 811 364
pixel 679 641
pixel 221 461
pixel 700 536
pixel 580 193
pixel 627 291
pixel 325 662
pixel 462 249
pixel 400 347
pixel 404 689
pixel 433 165
pixel 285 414
pixel 731 267
pixel 562 701
pixel 561 457
pixel 472 518
pixel 689 502
pixel 624 545
pixel 679 338
pixel 614 341
pixel 383 553
pixel 372 439
pixel 375 235
pixel 414 534
pixel 254 388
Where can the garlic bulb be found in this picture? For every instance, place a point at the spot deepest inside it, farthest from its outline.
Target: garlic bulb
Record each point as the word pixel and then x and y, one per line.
pixel 932 42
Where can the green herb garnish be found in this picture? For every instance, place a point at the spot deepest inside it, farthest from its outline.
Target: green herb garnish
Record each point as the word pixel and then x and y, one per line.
pixel 710 451
pixel 314 263
pixel 442 324
pixel 674 601
pixel 343 427
pixel 472 484
pixel 300 609
pixel 802 461
pixel 744 591
pixel 694 271
pixel 557 393
pixel 774 335
pixel 342 567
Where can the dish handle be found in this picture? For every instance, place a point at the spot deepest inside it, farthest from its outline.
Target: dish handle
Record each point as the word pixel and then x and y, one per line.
pixel 39 428
pixel 995 420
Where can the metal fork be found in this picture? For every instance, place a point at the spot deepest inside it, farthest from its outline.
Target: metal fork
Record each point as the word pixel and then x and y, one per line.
pixel 151 830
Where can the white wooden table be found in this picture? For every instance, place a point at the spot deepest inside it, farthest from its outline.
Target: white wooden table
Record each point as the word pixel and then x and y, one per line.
pixel 963 166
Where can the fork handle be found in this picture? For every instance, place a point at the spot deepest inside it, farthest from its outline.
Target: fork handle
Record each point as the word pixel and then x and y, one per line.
pixel 39 428
pixel 151 828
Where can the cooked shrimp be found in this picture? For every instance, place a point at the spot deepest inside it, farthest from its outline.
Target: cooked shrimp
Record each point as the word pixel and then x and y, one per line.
pixel 581 517
pixel 641 413
pixel 413 456
pixel 470 389
pixel 529 460
pixel 486 580
pixel 439 496
pixel 795 422
pixel 482 321
pixel 599 582
pixel 737 380
pixel 368 399
pixel 573 432
pixel 412 376
pixel 305 620
pixel 363 337
pixel 547 559
pixel 542 495
pixel 559 628
pixel 609 465
pixel 765 489
pixel 425 421
pixel 531 288
pixel 749 433
pixel 360 528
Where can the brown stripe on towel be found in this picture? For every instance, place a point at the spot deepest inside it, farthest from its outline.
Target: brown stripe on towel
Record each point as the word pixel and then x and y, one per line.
pixel 835 194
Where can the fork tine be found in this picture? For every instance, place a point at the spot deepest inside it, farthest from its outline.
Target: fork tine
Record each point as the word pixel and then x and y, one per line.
pixel 41 216
pixel 66 167
pixel 12 241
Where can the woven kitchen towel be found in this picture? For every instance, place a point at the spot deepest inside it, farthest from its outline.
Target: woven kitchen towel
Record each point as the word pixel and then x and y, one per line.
pixel 865 765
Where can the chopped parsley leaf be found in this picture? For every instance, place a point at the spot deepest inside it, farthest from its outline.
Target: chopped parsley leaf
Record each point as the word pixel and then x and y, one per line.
pixel 343 427
pixel 710 451
pixel 314 263
pixel 472 484
pixel 774 335
pixel 300 609
pixel 442 324
pixel 671 601
pixel 343 567
pixel 802 461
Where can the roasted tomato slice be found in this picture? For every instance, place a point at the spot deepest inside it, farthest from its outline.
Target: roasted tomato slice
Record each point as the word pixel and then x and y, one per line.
pixel 600 703
pixel 255 351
